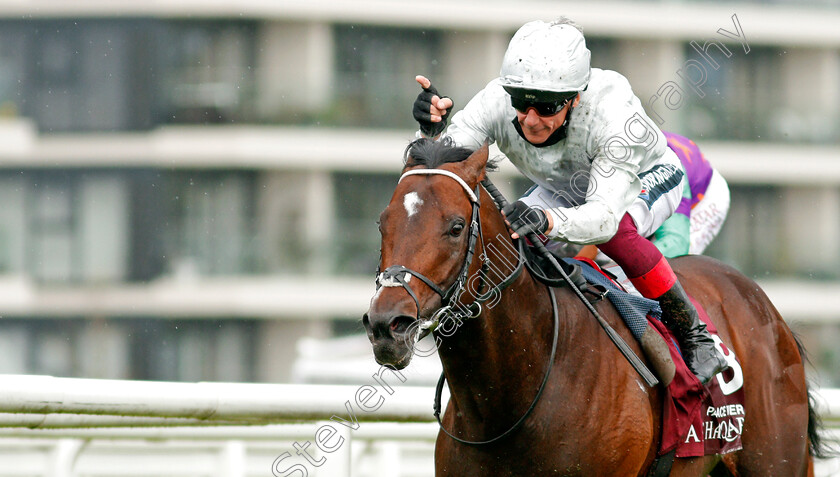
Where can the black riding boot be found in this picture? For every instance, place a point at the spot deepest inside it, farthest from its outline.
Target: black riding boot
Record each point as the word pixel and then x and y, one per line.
pixel 698 348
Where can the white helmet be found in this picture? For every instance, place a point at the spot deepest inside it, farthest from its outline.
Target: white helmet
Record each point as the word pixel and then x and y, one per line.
pixel 550 57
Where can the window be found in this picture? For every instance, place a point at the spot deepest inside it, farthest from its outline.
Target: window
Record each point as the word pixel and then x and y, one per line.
pixel 84 75
pixel 150 348
pixel 118 75
pixel 41 346
pixel 101 227
pixel 376 69
pixel 360 198
pixel 751 238
pixel 210 222
pixel 60 226
pixel 12 66
pixel 741 98
pixel 52 218
pixel 206 73
pixel 820 339
pixel 605 53
pixel 200 350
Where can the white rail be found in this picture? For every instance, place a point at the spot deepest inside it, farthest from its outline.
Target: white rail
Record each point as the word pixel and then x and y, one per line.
pixel 272 432
pixel 66 427
pixel 47 402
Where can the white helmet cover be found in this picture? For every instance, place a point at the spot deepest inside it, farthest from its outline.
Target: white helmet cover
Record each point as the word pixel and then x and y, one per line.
pixel 550 57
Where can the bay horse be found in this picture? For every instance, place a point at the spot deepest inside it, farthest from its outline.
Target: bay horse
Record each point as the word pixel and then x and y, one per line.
pixel 594 417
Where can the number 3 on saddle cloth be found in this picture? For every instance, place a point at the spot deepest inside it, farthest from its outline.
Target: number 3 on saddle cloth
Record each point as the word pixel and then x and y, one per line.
pixel 697 421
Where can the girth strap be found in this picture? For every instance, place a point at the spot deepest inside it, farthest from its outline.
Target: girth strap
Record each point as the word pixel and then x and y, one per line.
pixel 661 466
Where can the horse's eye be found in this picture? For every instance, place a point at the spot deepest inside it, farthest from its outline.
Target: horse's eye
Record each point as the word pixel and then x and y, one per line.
pixel 456 229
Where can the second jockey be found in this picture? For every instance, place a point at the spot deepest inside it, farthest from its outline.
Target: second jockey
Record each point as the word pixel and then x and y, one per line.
pixel 704 206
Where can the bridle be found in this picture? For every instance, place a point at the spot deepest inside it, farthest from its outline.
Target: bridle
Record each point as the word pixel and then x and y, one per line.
pixel 399 276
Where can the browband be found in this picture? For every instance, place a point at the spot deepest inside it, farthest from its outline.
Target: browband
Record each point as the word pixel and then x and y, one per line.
pixel 442 172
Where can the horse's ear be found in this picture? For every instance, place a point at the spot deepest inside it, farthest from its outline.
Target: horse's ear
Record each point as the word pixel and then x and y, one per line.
pixel 477 162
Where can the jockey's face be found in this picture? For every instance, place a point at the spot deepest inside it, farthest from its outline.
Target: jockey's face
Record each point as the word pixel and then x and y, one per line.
pixel 537 129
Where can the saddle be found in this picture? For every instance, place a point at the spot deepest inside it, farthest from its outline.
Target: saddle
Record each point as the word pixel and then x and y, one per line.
pixel 545 273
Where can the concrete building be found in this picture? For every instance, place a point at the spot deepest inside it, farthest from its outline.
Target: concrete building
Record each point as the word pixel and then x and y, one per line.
pixel 189 187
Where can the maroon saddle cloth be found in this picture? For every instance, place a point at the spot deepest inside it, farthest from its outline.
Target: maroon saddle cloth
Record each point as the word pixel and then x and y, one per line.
pixel 697 420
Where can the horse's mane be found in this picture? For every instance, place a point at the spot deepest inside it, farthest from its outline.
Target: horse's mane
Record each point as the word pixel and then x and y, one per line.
pixel 433 154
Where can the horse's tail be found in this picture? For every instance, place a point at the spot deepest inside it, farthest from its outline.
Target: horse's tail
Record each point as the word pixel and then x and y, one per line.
pixel 817 447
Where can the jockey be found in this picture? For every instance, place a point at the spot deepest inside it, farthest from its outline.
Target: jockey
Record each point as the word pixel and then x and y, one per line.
pixel 582 136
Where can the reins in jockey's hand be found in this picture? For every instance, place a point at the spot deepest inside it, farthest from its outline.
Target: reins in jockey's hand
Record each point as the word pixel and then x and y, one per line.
pixel 628 353
pixel 524 219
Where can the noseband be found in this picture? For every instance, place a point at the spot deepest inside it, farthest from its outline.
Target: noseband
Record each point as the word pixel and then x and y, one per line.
pixel 399 276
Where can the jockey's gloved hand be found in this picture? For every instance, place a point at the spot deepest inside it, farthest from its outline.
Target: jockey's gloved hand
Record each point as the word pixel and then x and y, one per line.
pixel 423 112
pixel 524 219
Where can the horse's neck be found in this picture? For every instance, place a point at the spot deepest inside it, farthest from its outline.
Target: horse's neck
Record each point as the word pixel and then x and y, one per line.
pixel 506 348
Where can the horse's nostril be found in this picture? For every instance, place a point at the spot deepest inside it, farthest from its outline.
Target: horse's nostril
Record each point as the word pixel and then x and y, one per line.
pixel 400 324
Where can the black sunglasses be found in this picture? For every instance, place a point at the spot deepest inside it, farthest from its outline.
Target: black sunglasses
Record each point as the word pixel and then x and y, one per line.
pixel 543 108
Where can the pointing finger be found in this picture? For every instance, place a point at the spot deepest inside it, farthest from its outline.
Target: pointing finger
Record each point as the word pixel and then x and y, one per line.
pixel 424 82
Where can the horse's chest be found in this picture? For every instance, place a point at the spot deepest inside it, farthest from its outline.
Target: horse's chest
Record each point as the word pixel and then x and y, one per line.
pixel 576 443
pixel 517 462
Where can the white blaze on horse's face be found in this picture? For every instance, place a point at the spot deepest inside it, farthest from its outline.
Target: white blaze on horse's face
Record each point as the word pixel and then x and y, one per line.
pixel 412 203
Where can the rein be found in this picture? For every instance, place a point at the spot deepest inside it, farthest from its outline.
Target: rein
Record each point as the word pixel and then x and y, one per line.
pixel 439 387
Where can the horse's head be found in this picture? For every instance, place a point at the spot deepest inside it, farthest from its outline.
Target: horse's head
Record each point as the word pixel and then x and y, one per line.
pixel 426 232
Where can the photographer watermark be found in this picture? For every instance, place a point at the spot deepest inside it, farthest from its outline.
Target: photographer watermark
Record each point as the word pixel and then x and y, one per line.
pixel 368 398
pixel 694 73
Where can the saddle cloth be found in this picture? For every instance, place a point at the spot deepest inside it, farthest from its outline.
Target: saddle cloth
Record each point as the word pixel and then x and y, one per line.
pixel 697 420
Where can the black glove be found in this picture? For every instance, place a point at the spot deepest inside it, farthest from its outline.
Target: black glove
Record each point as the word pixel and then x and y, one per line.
pixel 524 220
pixel 423 112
